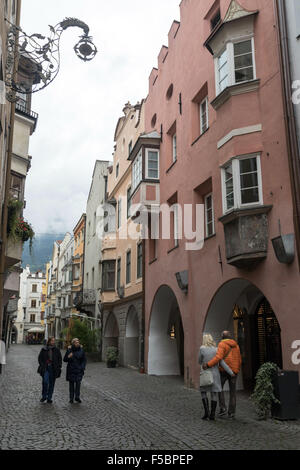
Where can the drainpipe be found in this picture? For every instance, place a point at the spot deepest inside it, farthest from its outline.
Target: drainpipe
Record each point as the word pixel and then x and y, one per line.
pixel 8 181
pixel 289 117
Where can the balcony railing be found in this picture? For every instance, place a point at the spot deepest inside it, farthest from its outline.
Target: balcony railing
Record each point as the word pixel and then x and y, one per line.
pixel 22 108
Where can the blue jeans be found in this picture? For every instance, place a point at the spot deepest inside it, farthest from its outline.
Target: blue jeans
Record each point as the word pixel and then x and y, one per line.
pixel 48 383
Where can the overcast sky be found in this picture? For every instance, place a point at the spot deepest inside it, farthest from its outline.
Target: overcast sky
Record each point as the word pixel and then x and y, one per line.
pixel 78 112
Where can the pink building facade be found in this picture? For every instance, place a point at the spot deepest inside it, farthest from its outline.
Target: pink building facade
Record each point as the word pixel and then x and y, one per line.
pixel 215 137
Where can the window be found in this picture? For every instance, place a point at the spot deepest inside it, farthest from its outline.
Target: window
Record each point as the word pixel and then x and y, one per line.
pixel 139 269
pixel 16 186
pixel 108 275
pixel 33 303
pixel 209 215
pixel 235 64
pixel 117 170
pixel 174 142
pixel 176 222
pixel 69 301
pixel 223 71
pixel 243 61
pixel 118 273
pixel 137 171
pixel 152 164
pixel 58 302
pixel 32 318
pixel 128 267
pixel 242 185
pixel 204 115
pixel 129 147
pixel 119 213
pixel 128 202
pixel 93 277
pixel 34 287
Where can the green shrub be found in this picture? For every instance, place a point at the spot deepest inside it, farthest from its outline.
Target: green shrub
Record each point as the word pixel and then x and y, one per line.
pixel 263 395
pixel 111 354
pixel 89 339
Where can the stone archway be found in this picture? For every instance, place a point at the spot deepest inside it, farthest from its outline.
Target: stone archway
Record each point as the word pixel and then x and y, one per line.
pixel 111 333
pixel 240 307
pixel 131 341
pixel 166 335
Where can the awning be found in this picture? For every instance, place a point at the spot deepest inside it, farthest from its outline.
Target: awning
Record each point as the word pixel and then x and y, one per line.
pixel 36 330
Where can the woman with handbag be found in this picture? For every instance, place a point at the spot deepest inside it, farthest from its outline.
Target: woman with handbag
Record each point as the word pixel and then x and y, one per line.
pixel 210 379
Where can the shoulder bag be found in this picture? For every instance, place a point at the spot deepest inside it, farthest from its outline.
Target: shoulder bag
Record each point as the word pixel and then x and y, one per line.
pixel 206 378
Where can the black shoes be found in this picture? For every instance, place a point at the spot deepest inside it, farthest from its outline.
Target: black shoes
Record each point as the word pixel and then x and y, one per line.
pixel 42 400
pixel 78 400
pixel 71 401
pixel 49 401
pixel 222 412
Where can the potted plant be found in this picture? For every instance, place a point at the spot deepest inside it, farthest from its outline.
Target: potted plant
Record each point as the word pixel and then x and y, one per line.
pixel 17 228
pixel 111 356
pixel 263 395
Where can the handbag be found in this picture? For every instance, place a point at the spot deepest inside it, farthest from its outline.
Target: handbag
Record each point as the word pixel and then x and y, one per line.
pixel 206 378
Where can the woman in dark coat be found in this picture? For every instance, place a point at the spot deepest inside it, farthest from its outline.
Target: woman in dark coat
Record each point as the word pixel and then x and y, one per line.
pixel 50 362
pixel 75 357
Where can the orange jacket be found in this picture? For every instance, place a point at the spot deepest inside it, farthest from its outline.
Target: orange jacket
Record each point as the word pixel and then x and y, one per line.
pixel 228 350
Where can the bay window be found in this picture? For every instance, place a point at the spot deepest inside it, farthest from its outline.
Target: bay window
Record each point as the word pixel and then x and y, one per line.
pixel 235 64
pixel 152 164
pixel 137 171
pixel 242 183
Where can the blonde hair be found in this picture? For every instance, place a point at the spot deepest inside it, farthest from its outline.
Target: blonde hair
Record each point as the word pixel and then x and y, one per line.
pixel 74 339
pixel 208 341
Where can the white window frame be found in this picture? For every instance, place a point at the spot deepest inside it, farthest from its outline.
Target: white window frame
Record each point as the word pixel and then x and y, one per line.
pixel 174 147
pixel 137 171
pixel 213 215
pixel 237 183
pixel 200 113
pixel 147 156
pixel 230 62
pixel 176 224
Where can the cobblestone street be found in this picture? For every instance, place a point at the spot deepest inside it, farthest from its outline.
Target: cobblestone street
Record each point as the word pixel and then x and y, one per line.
pixel 122 409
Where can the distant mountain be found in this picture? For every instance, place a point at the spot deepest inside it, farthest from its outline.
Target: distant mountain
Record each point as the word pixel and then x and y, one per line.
pixel 41 251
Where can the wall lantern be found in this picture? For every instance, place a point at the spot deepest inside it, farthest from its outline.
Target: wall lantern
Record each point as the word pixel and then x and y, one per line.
pixel 284 247
pixel 182 280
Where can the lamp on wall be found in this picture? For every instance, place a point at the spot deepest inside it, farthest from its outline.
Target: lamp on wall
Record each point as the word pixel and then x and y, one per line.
pixel 284 248
pixel 182 280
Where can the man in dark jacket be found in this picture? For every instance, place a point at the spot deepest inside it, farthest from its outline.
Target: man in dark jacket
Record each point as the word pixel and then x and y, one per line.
pixel 50 362
pixel 75 357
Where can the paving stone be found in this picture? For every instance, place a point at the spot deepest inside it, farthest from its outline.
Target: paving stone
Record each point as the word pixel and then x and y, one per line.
pixel 122 409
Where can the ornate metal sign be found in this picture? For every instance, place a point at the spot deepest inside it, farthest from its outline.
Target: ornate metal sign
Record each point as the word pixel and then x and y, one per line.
pixel 38 57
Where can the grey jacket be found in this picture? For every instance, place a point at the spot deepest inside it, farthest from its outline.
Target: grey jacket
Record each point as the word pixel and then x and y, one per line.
pixel 205 355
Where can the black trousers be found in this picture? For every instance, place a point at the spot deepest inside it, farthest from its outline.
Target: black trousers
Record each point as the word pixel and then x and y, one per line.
pixel 74 388
pixel 232 392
